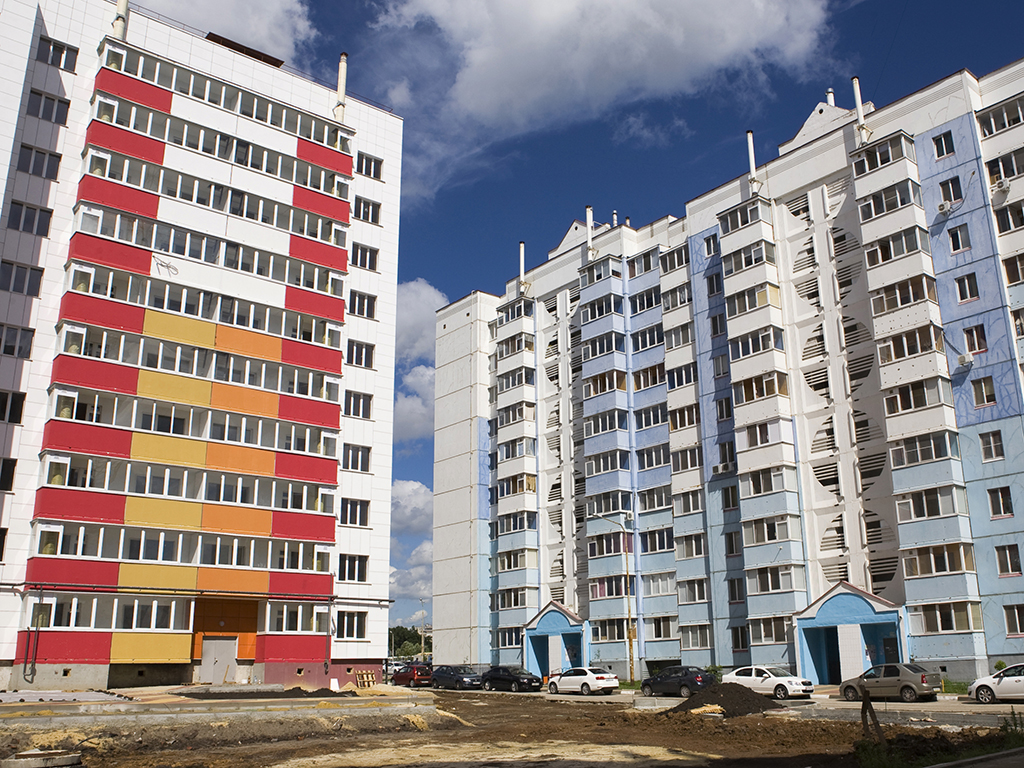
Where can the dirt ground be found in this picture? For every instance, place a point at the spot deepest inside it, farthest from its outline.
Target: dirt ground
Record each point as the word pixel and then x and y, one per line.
pixel 505 729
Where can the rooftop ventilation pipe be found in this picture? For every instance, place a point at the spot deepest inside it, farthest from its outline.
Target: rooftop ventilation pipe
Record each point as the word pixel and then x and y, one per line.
pixel 522 268
pixel 862 130
pixel 591 251
pixel 755 184
pixel 830 97
pixel 339 108
pixel 120 24
pixel 615 218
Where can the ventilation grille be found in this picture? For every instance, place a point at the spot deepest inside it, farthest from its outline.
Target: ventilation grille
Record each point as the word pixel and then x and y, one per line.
pixel 551 305
pixel 836 571
pixel 825 438
pixel 805 257
pixel 859 368
pixel 837 193
pixel 558 567
pixel 555 447
pixel 555 492
pixel 574 298
pixel 555 417
pixel 876 531
pixel 855 332
pixel 818 382
pixel 827 476
pixel 843 243
pixel 815 345
pixel 558 593
pixel 882 571
pixel 580 488
pixel 834 536
pixel 846 276
pixel 865 429
pixel 799 207
pixel 551 369
pixel 870 468
pixel 810 291
pixel 552 349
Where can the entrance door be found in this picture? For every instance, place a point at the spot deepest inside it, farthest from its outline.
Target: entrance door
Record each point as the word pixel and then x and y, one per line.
pixel 218 665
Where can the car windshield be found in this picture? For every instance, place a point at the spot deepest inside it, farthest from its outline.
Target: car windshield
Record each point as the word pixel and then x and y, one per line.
pixel 518 671
pixel 463 670
pixel 598 671
pixel 779 672
pixel 916 669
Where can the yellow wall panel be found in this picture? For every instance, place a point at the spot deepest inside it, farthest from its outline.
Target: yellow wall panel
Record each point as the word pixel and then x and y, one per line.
pixel 240 458
pixel 169 450
pixel 153 576
pixel 176 389
pixel 152 647
pixel 248 343
pixel 244 520
pixel 244 400
pixel 200 333
pixel 233 581
pixel 163 513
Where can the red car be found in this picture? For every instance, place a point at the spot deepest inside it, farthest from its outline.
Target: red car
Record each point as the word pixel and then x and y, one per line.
pixel 412 675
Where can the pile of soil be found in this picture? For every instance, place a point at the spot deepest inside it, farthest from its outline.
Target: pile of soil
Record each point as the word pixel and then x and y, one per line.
pixel 242 693
pixel 735 699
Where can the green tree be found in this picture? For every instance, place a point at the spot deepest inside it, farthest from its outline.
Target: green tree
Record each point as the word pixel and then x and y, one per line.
pixel 405 641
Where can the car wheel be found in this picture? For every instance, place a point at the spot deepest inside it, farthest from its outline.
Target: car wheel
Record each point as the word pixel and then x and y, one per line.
pixel 458 685
pixel 685 692
pixel 781 692
pixel 552 688
pixel 647 690
pixel 908 694
pixel 850 693
pixel 487 685
pixel 585 689
pixel 434 684
pixel 985 695
pixel 515 687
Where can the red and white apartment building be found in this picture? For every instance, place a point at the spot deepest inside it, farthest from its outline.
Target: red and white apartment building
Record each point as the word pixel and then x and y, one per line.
pixel 197 322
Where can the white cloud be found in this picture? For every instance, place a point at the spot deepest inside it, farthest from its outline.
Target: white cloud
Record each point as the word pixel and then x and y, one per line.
pixel 475 72
pixel 418 300
pixel 412 507
pixel 638 129
pixel 411 621
pixel 414 408
pixel 422 555
pixel 281 28
pixel 411 583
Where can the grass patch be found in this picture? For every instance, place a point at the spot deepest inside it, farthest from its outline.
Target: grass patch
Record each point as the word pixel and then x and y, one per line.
pixel 954 686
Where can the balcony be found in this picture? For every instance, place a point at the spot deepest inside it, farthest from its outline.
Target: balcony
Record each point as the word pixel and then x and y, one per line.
pixel 913 368
pixel 885 176
pixel 911 215
pixel 906 318
pixel 899 269
pixel 920 421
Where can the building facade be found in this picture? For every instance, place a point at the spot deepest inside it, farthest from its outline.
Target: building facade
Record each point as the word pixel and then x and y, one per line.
pixel 776 430
pixel 199 270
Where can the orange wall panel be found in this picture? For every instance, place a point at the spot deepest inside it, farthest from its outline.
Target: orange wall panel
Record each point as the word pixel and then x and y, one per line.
pixel 233 581
pixel 242 520
pixel 244 400
pixel 248 343
pixel 240 458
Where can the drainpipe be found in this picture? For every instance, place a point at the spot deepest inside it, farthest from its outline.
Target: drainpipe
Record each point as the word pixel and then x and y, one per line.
pixel 120 24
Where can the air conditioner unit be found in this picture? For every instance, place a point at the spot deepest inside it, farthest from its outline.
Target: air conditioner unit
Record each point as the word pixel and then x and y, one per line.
pixel 945 207
pixel 965 359
pixel 1003 185
pixel 716 469
pixel 721 469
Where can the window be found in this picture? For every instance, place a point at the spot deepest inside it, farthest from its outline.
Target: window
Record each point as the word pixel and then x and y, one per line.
pixel 599 423
pixel 693 591
pixel 48 108
pixel 1008 560
pixel 355 512
pixel 924 448
pixel 780 578
pixel 516 560
pixel 364 257
pixel 1001 117
pixel 721 365
pixel 656 541
pixel 751 299
pixel 607 630
pixel 606 305
pixel 676 258
pixel 645 262
pixel 947 558
pixel 1007 166
pixel 943 144
pixel 38 162
pixel 12 404
pixel 732 220
pixel 7 467
pixel 57 54
pixel 999 502
pixel 660 628
pixel 17 342
pixel 758 341
pixel 520 483
pixel 676 297
pixel 889 199
pixel 603 345
pixel 724 408
pixel 759 387
pixel 645 300
pixel 945 617
pixel 650 417
pixel 917 289
pixel 366 210
pixel 883 153
pixel 730 497
pixel 351 625
pixel 1018 322
pixel 368 166
pixel 767 631
pixel 740 640
pixel 711 245
pixel 17 278
pixel 924 339
pixel 360 354
pixel 974 338
pixel 967 287
pixel 356 458
pixel 358 404
pixel 3 543
pixel 609 461
pixel 694 636
pixel 1010 218
pixel 654 498
pixel 601 270
pixel 717 325
pixel 991 445
pixel 688 502
pixel 35 221
pixel 647 338
pixel 768 529
pixel 749 256
pixel 659 583
pixel 714 283
pixel 362 304
pixel 604 382
pixel 656 456
pixel 686 458
pixel 680 418
pixel 681 376
pixel 1014 619
pixel 763 481
pixel 510 638
pixel 959 238
pixel 984 392
pixel 894 246
pixel 950 189
pixel 759 434
pixel 934 502
pixel 736 593
pixel 690 546
pixel 608 544
pixel 733 544
pixel 352 567
pixel 649 377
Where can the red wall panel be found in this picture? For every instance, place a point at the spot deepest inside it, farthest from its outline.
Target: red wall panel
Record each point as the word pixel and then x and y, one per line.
pixel 139 91
pixel 315 469
pixel 286 585
pixel 305 411
pixel 293 648
pixel 103 312
pixel 319 203
pixel 109 253
pixel 319 253
pixel 101 191
pixel 87 438
pixel 54 646
pixel 312 303
pixel 55 503
pixel 323 156
pixel 303 525
pixel 61 572
pixel 310 356
pixel 117 139
pixel 94 374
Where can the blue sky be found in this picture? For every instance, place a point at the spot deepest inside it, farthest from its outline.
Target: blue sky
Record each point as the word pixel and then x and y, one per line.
pixel 518 113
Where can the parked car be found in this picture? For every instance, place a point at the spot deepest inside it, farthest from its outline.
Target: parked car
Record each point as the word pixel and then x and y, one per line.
pixel 771 681
pixel 677 680
pixel 583 680
pixel 412 675
pixel 908 681
pixel 390 667
pixel 1007 684
pixel 513 679
pixel 455 677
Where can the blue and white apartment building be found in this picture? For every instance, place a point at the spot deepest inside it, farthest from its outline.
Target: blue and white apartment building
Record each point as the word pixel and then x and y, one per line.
pixel 783 429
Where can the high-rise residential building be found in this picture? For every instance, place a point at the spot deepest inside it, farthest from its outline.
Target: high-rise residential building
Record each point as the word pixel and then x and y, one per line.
pixel 777 430
pixel 199 269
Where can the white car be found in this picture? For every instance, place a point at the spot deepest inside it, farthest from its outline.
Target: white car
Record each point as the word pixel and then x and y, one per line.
pixel 584 680
pixel 771 681
pixel 1007 684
